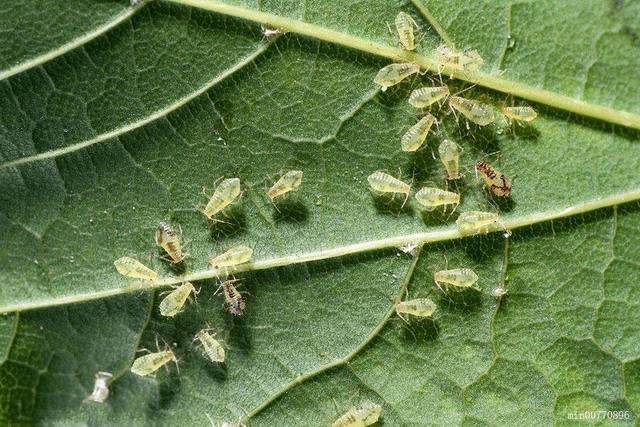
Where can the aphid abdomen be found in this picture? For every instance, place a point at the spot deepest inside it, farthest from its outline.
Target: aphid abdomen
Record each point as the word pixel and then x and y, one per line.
pixel 393 74
pixel 150 363
pixel 133 268
pixel 211 347
pixel 288 182
pixel 225 194
pixel 404 26
pixel 413 139
pixel 167 239
pixel 173 303
pixel 458 277
pixel 475 111
pixel 420 307
pixel 494 180
pixel 476 221
pixel 520 114
pixel 425 96
pixel 431 197
pixel 385 183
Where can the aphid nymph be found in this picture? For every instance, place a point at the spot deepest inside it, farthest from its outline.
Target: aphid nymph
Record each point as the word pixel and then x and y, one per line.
pixel 431 198
pixel 520 114
pixel 167 239
pixel 425 96
pixel 173 303
pixel 468 60
pixel 472 222
pixel 404 27
pixel 235 256
pixel 362 415
pixel 413 139
pixel 419 307
pixel 450 153
pixel 475 111
pixel 130 267
pixel 382 182
pixel 494 180
pixel 211 347
pixel 287 183
pixel 233 300
pixel 100 388
pixel 459 278
pixel 393 74
pixel 148 364
pixel 226 193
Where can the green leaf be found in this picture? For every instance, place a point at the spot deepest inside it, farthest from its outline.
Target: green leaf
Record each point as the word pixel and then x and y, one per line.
pixel 107 129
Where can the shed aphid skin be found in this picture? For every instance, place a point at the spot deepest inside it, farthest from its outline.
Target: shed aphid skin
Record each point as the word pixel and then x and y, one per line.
pixel 133 268
pixel 450 153
pixel 459 278
pixel 226 193
pixel 211 347
pixel 100 388
pixel 419 307
pixel 233 301
pixel 148 364
pixel 475 111
pixel 404 27
pixel 413 139
pixel 472 222
pixel 385 183
pixel 167 239
pixel 520 114
pixel 362 415
pixel 468 60
pixel 494 180
pixel 499 292
pixel 288 182
pixel 173 303
pixel 235 256
pixel 425 96
pixel 431 198
pixel 393 74
pixel 271 32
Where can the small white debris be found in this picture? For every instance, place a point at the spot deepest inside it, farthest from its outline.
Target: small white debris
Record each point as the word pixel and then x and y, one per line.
pixel 100 388
pixel 409 248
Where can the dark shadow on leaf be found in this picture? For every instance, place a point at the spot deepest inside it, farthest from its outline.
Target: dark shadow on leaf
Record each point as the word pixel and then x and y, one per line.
pixel 232 224
pixel 420 330
pixel 169 387
pixel 389 205
pixel 466 300
pixel 291 210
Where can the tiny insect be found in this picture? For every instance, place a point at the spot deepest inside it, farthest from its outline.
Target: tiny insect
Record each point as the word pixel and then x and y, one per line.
pixel 100 388
pixel 173 303
pixel 385 183
pixel 520 114
pixel 226 193
pixel 460 278
pixel 362 415
pixel 233 301
pixel 413 139
pixel 288 182
pixel 211 347
pixel 475 111
pixel 409 249
pixel 493 179
pixel 431 198
pixel 499 292
pixel 148 364
pixel 235 256
pixel 404 26
pixel 133 268
pixel 469 60
pixel 270 33
pixel 167 239
pixel 393 74
pixel 477 221
pixel 420 307
pixel 450 156
pixel 425 96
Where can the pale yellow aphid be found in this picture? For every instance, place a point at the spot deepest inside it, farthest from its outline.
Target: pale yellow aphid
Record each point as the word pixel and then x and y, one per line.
pixel 469 60
pixel 167 239
pixel 362 415
pixel 475 111
pixel 148 364
pixel 385 183
pixel 393 74
pixel 226 193
pixel 235 256
pixel 173 303
pixel 100 388
pixel 472 222
pixel 520 114
pixel 450 156
pixel 425 96
pixel 413 139
pixel 211 347
pixel 431 198
pixel 404 26
pixel 458 277
pixel 419 307
pixel 288 182
pixel 133 268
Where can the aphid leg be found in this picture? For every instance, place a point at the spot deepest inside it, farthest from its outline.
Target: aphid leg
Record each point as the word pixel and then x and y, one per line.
pixel 213 424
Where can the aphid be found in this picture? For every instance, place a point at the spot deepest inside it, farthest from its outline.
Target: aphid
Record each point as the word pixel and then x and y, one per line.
pixel 100 388
pixel 362 415
pixel 167 238
pixel 458 277
pixel 416 135
pixel 425 96
pixel 173 303
pixel 393 74
pixel 235 256
pixel 475 111
pixel 233 301
pixel 133 268
pixel 270 33
pixel 499 292
pixel 211 347
pixel 431 198
pixel 385 183
pixel 494 180
pixel 469 60
pixel 477 221
pixel 420 307
pixel 404 26
pixel 450 156
pixel 288 182
pixel 148 364
pixel 520 114
pixel 226 193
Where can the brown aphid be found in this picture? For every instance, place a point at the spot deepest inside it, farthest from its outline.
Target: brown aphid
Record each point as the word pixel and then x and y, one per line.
pixel 233 301
pixel 494 180
pixel 167 238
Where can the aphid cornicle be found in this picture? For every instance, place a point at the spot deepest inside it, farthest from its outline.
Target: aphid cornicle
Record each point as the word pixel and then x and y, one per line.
pixel 404 26
pixel 148 364
pixel 211 347
pixel 233 301
pixel 385 183
pixel 413 139
pixel 472 222
pixel 393 74
pixel 133 268
pixel 520 114
pixel 167 239
pixel 226 193
pixel 425 96
pixel 460 278
pixel 100 388
pixel 468 61
pixel 419 307
pixel 362 415
pixel 431 198
pixel 235 256
pixel 173 303
pixel 450 156
pixel 493 179
pixel 288 182
pixel 475 111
